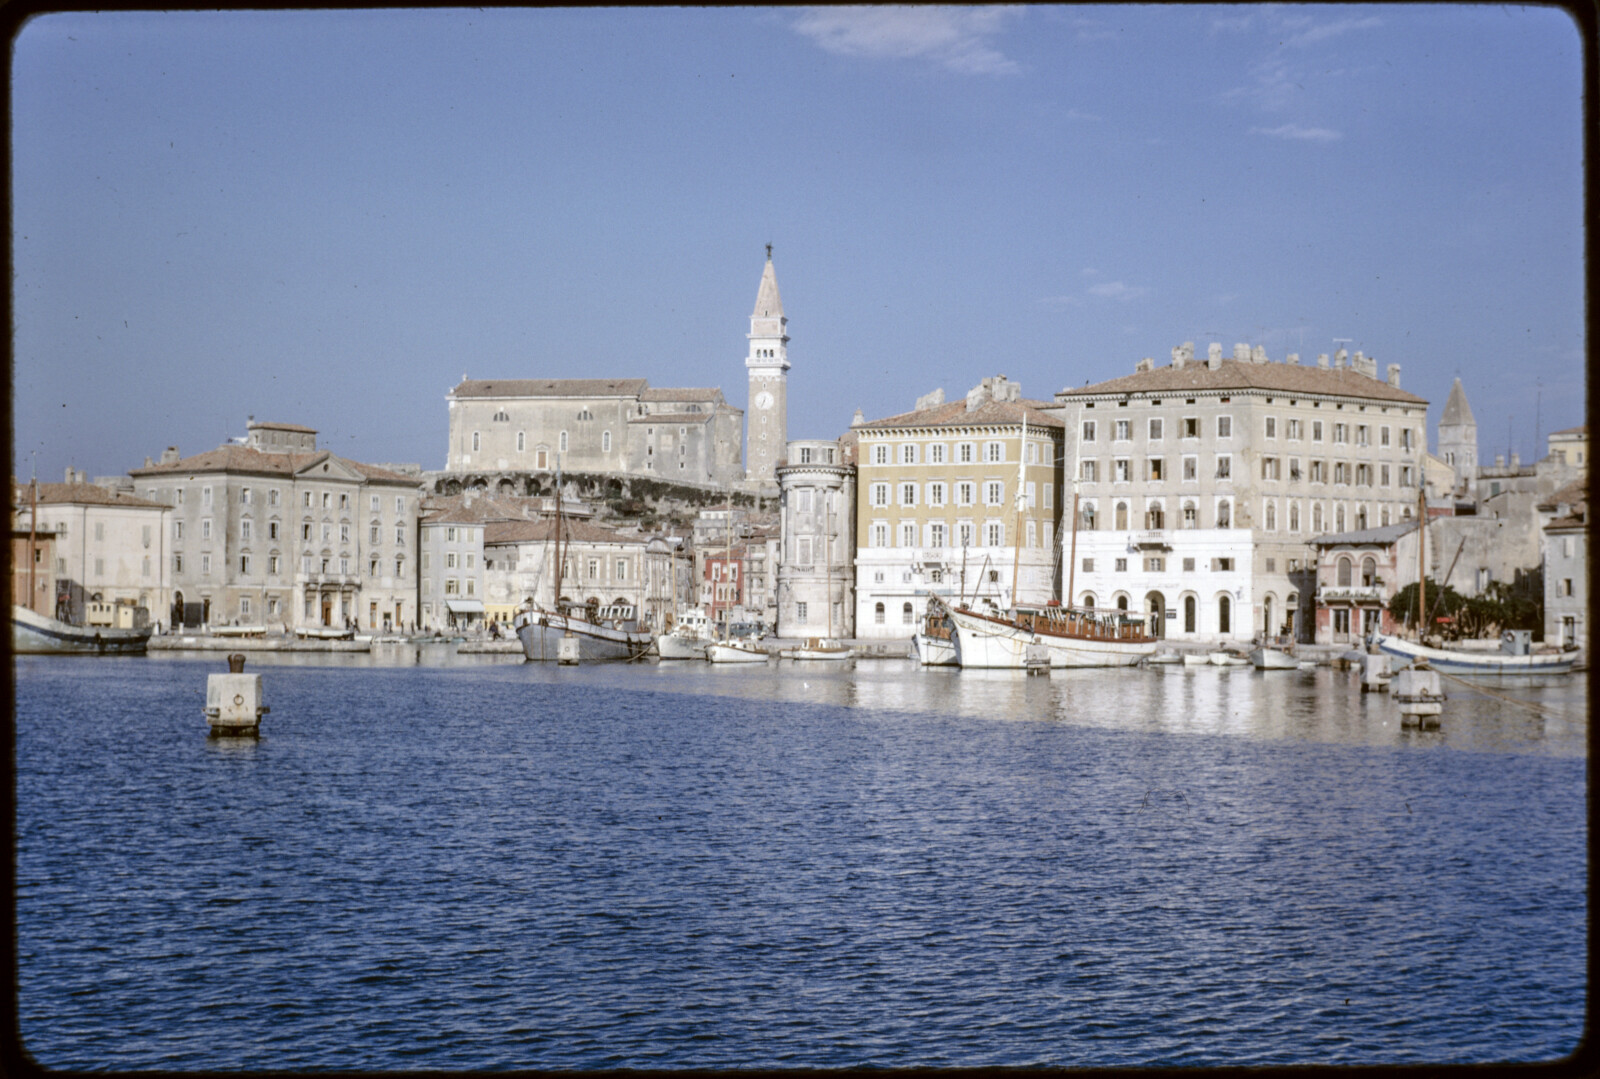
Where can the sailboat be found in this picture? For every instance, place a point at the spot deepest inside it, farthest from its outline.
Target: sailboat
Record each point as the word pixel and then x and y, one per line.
pixel 602 633
pixel 1072 636
pixel 1516 657
pixel 829 647
pixel 727 648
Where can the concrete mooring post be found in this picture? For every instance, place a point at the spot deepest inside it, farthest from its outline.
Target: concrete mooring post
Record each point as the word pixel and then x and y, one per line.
pixel 233 701
pixel 1416 690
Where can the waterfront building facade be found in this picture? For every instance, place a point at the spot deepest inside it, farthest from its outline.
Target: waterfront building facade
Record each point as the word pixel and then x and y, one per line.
pixel 33 555
pixel 816 576
pixel 102 556
pixel 273 531
pixel 1357 574
pixel 957 499
pixel 1566 566
pixel 598 567
pixel 1200 484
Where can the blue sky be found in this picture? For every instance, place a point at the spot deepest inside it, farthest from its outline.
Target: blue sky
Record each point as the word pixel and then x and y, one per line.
pixel 328 218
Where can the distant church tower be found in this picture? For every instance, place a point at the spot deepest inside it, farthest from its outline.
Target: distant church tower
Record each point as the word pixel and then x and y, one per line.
pixel 1458 437
pixel 767 415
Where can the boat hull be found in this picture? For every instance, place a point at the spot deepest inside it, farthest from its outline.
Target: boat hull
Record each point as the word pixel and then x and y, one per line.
pixel 673 646
pixel 1273 659
pixel 1478 664
pixel 936 651
pixel 541 635
pixel 35 635
pixel 724 652
pixel 983 642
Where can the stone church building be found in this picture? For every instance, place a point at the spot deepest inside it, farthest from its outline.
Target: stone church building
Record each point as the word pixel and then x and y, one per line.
pixel 511 429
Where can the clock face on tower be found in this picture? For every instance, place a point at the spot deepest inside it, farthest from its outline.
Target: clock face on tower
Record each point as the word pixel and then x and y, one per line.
pixel 763 399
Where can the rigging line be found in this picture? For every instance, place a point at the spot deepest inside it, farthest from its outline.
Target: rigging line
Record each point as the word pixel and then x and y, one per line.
pixel 1476 688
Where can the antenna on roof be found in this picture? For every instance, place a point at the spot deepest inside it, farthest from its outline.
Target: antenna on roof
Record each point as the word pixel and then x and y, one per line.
pixel 769 252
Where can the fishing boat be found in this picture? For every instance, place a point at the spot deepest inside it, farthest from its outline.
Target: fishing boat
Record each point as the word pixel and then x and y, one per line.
pixel 239 631
pixel 1266 658
pixel 1227 657
pixel 1514 659
pixel 820 648
pixel 34 634
pixel 735 650
pixel 603 633
pixel 935 639
pixel 687 639
pixel 1196 659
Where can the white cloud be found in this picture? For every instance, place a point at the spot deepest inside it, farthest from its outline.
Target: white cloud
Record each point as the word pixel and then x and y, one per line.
pixel 1105 291
pixel 1116 290
pixel 1295 131
pixel 1333 29
pixel 954 37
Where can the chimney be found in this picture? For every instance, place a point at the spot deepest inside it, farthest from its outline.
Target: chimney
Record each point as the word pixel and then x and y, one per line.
pixel 1339 357
pixel 1179 358
pixel 1293 357
pixel 1322 360
pixel 1516 460
pixel 1499 460
pixel 1214 356
pixel 930 400
pixel 1394 375
pixel 147 461
pixel 1241 352
pixel 1146 364
pixel 1258 354
pixel 858 419
pixel 169 455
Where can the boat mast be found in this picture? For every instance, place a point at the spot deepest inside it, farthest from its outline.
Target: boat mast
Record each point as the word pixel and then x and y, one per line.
pixel 1422 554
pixel 1016 550
pixel 827 558
pixel 33 523
pixel 555 591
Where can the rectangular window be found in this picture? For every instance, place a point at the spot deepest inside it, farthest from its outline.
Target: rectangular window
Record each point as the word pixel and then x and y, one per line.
pixel 1269 468
pixel 1270 426
pixel 908 494
pixel 1341 433
pixel 376 504
pixel 1224 426
pixel 1088 430
pixel 936 534
pixel 177 530
pixel 964 453
pixel 1088 565
pixel 344 533
pixel 1124 430
pixel 880 494
pixel 1155 428
pixel 1224 466
pixel 1155 469
pixel 177 563
pixel 908 454
pixel 1152 564
pixel 936 453
pixel 966 493
pixel 1188 565
pixel 993 493
pixel 1316 430
pixel 1191 468
pixel 908 534
pixel 1362 437
pixel 1086 471
pixel 800 612
pixel 1049 495
pixel 880 534
pixel 1294 429
pixel 994 533
pixel 622 569
pixel 1121 565
pixel 272 563
pixel 244 563
pixel 205 529
pixel 205 496
pixel 205 565
pixel 244 496
pixel 1383 436
pixel 1191 427
pixel 880 455
pixel 449 560
pixel 994 452
pixel 935 494
pixel 1120 470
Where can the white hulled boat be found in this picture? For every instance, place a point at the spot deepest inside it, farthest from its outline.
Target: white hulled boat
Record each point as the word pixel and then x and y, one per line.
pixel 688 639
pixel 1510 661
pixel 823 648
pixel 1073 636
pixel 34 634
pixel 735 650
pixel 1267 658
pixel 935 639
pixel 603 633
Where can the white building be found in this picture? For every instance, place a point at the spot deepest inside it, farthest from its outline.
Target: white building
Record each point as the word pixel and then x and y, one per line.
pixel 1201 483
pixel 816 579
pixel 767 363
pixel 110 548
pixel 1566 566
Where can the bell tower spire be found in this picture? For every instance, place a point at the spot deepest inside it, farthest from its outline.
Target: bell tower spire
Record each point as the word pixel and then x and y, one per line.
pixel 767 363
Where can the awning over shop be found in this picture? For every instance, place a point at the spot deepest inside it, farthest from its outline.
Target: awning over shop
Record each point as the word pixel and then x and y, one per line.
pixel 464 606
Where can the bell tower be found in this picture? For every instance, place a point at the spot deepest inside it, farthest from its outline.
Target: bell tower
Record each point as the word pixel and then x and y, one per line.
pixel 767 362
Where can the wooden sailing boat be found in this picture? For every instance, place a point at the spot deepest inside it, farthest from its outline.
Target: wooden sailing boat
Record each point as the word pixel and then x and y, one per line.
pixel 1072 636
pixel 727 648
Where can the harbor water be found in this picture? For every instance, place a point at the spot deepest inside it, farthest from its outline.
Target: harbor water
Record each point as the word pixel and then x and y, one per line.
pixel 442 862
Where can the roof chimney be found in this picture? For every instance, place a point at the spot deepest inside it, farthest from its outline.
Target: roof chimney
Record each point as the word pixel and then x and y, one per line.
pixel 1179 358
pixel 1146 364
pixel 1394 375
pixel 1293 357
pixel 1322 360
pixel 169 455
pixel 1214 356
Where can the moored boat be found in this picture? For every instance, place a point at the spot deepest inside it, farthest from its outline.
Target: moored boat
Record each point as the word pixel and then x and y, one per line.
pixel 735 650
pixel 325 633
pixel 34 634
pixel 603 633
pixel 1510 661
pixel 934 641
pixel 1073 637
pixel 1265 658
pixel 1196 659
pixel 1226 657
pixel 821 648
pixel 687 639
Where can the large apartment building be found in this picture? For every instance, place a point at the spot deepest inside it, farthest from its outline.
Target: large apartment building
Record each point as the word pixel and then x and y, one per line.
pixel 1199 484
pixel 274 531
pixel 956 499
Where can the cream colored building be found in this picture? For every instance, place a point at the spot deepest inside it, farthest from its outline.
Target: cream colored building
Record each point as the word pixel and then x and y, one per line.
pixel 958 499
pixel 816 578
pixel 109 549
pixel 1201 483
pixel 276 532
pixel 598 566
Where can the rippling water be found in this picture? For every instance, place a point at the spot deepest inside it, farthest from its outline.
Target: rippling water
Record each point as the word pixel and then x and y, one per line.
pixel 439 863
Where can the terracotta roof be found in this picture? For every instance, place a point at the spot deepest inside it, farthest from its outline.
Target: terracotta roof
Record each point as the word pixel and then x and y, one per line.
pixel 1196 376
pixel 1574 431
pixel 540 531
pixel 247 459
pixel 1575 493
pixel 955 414
pixel 551 387
pixel 82 494
pixel 458 509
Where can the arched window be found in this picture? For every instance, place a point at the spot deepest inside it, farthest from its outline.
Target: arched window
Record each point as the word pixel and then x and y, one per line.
pixel 1316 516
pixel 1122 602
pixel 1088 517
pixel 1088 599
pixel 1122 516
pixel 1369 571
pixel 1224 611
pixel 1224 514
pixel 1294 517
pixel 1338 517
pixel 605 442
pixel 877 614
pixel 1154 516
pixel 1190 517
pixel 1271 516
pixel 522 441
pixel 561 443
pixel 1344 573
pixel 1361 516
pixel 1188 614
pixel 905 614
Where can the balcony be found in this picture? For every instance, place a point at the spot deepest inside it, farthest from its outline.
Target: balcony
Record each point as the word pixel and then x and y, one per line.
pixel 1351 594
pixel 1152 539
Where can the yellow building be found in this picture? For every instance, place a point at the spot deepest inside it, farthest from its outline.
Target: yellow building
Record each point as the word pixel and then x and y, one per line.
pixel 953 499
